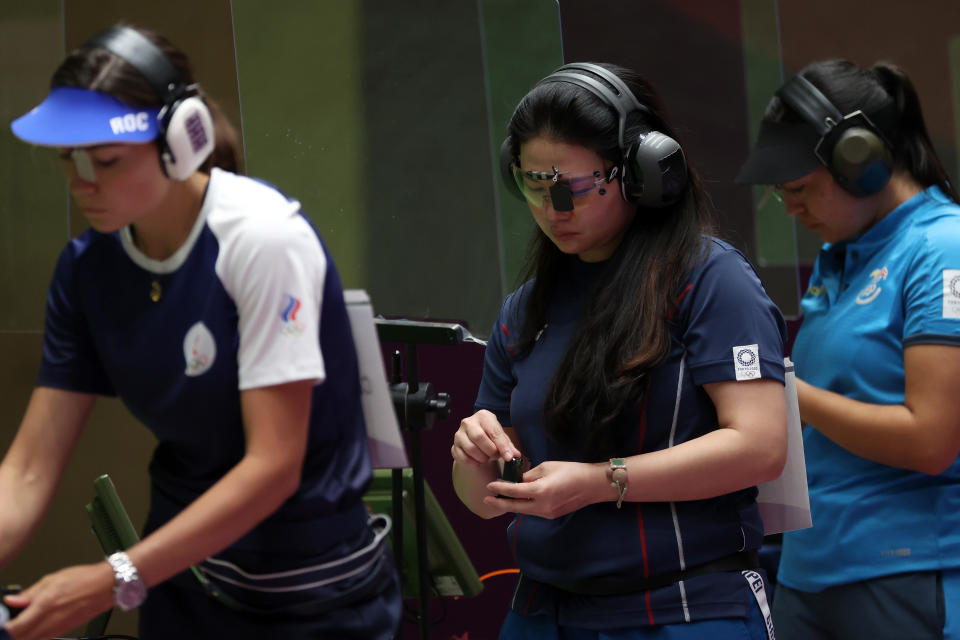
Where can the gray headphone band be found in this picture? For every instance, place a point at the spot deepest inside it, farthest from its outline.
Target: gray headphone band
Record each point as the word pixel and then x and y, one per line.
pixel 598 90
pixel 145 57
pixel 621 98
pixel 610 77
pixel 815 108
pixel 808 101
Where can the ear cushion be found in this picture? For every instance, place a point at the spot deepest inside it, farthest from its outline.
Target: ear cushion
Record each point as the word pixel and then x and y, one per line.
pixel 654 172
pixel 189 138
pixel 506 174
pixel 860 161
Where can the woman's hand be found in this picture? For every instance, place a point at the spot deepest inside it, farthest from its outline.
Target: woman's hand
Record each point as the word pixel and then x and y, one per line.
pixel 61 601
pixel 553 489
pixel 477 446
pixel 480 440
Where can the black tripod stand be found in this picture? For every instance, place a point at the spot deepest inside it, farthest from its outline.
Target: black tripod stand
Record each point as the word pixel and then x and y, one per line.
pixel 417 405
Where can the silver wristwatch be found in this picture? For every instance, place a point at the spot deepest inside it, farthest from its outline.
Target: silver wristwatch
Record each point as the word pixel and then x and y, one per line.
pixel 129 590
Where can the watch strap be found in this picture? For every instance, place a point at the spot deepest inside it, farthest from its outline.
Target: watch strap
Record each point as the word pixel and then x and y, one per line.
pixel 617 475
pixel 129 590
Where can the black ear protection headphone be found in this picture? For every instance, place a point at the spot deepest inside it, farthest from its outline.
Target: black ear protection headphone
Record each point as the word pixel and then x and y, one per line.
pixel 186 125
pixel 851 146
pixel 653 172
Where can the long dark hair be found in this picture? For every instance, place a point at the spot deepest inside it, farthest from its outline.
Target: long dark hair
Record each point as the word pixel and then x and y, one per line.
pixel 874 90
pixel 624 330
pixel 95 68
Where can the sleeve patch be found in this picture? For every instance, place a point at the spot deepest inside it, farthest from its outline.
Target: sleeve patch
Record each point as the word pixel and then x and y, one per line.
pixel 746 362
pixel 288 316
pixel 951 293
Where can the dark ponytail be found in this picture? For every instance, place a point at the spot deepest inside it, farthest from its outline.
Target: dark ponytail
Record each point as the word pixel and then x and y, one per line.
pixel 912 148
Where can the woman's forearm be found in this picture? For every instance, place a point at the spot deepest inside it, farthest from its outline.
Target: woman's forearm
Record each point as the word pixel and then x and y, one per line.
pixel 23 501
pixel 32 467
pixel 275 426
pixel 470 483
pixel 233 506
pixel 889 434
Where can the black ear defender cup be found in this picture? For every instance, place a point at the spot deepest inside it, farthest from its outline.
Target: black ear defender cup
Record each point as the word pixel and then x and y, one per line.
pixel 850 146
pixel 653 172
pixel 186 125
pixel 506 173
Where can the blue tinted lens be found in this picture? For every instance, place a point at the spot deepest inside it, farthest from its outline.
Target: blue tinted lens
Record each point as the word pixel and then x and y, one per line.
pixel 567 193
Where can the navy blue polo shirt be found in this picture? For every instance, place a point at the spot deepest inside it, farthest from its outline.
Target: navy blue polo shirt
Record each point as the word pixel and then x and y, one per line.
pixel 724 327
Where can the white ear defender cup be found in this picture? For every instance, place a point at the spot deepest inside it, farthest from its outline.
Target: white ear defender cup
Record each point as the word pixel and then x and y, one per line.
pixel 653 172
pixel 189 138
pixel 186 125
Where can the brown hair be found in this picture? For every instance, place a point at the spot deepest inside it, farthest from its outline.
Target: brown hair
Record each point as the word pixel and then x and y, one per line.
pixel 93 67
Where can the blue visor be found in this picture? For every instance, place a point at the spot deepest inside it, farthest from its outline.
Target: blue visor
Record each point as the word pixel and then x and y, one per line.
pixel 73 117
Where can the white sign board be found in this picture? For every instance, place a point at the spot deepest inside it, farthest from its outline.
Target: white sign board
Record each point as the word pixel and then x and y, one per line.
pixel 383 429
pixel 784 503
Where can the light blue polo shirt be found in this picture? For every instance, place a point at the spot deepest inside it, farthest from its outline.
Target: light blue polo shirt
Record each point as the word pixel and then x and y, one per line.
pixel 869 298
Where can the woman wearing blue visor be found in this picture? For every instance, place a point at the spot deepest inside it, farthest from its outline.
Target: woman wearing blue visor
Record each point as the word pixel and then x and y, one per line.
pixel 877 357
pixel 208 303
pixel 640 371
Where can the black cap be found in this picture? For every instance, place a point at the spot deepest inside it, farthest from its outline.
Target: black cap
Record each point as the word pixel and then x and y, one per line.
pixel 784 152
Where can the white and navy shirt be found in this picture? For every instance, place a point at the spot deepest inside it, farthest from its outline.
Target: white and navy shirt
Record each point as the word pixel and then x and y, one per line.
pixel 251 299
pixel 724 327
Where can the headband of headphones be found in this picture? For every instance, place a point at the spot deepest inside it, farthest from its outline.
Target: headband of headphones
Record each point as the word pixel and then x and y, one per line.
pixel 186 125
pixel 620 98
pixel 653 172
pixel 808 101
pixel 850 146
pixel 146 57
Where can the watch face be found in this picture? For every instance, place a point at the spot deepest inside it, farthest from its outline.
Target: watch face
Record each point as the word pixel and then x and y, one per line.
pixel 130 595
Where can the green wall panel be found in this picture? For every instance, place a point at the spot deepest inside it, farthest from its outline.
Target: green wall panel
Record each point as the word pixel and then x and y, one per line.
pixel 763 74
pixel 953 53
pixel 33 197
pixel 519 48
pixel 299 78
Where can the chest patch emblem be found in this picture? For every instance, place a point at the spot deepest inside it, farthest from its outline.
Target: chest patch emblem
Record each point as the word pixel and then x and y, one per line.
pixel 199 350
pixel 746 362
pixel 870 292
pixel 951 293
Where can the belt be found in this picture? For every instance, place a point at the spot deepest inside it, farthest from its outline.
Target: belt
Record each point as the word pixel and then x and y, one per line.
pixel 373 561
pixel 622 585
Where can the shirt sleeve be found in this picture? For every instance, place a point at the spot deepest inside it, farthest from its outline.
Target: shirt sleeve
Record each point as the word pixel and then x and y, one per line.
pixel 498 380
pixel 275 272
pixel 733 331
pixel 70 359
pixel 932 288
